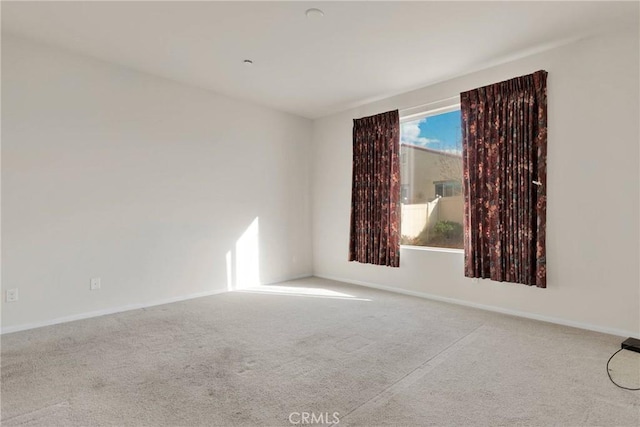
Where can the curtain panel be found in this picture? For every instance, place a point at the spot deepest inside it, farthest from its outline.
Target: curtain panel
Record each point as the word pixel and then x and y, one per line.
pixel 504 132
pixel 375 192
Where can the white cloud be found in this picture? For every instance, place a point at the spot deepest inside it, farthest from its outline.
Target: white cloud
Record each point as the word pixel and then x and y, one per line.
pixel 410 132
pixel 454 151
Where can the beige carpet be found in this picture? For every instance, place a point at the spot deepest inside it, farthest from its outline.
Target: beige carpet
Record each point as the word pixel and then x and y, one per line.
pixel 313 345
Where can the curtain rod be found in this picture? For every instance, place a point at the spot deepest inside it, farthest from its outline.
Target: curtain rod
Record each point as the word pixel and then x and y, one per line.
pixel 430 103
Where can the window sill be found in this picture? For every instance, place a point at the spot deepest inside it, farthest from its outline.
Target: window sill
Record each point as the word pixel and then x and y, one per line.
pixel 432 249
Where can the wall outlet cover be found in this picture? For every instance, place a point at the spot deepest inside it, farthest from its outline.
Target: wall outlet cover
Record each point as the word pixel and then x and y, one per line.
pixel 12 295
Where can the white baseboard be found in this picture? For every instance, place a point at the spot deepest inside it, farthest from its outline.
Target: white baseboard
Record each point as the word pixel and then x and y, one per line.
pixel 97 313
pixel 556 320
pixel 527 315
pixel 114 310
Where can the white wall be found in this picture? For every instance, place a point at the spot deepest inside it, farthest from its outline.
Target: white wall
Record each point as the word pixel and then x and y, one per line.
pixel 593 203
pixel 143 182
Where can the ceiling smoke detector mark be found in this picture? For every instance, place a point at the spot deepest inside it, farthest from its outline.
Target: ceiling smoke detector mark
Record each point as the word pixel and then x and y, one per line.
pixel 314 13
pixel 247 62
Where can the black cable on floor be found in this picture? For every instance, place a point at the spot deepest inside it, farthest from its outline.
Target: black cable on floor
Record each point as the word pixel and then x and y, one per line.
pixel 626 388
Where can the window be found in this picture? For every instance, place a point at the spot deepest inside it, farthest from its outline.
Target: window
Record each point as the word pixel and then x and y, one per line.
pixel 449 188
pixel 431 179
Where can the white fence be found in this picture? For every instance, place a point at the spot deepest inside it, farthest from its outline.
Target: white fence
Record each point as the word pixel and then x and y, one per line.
pixel 416 217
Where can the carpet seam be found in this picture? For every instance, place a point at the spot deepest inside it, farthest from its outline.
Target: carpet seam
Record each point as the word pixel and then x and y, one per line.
pixel 400 380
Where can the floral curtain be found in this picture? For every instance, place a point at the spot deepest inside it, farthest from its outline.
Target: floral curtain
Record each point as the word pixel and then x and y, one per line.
pixel 504 132
pixel 375 193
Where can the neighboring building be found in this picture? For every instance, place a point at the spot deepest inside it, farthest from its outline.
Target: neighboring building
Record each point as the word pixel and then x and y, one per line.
pixel 431 188
pixel 426 173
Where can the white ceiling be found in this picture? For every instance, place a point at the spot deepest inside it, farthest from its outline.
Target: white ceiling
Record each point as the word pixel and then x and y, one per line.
pixel 359 51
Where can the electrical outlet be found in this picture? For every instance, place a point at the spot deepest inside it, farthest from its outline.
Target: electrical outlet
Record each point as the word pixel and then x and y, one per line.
pixel 12 295
pixel 95 284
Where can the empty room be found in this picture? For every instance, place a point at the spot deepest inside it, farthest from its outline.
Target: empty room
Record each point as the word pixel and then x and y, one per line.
pixel 320 213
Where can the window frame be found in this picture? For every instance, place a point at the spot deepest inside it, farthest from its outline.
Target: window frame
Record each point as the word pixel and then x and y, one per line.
pixel 413 114
pixel 448 184
pixel 417 113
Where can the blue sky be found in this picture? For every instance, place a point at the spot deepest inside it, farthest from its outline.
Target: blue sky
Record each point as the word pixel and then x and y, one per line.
pixel 441 132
